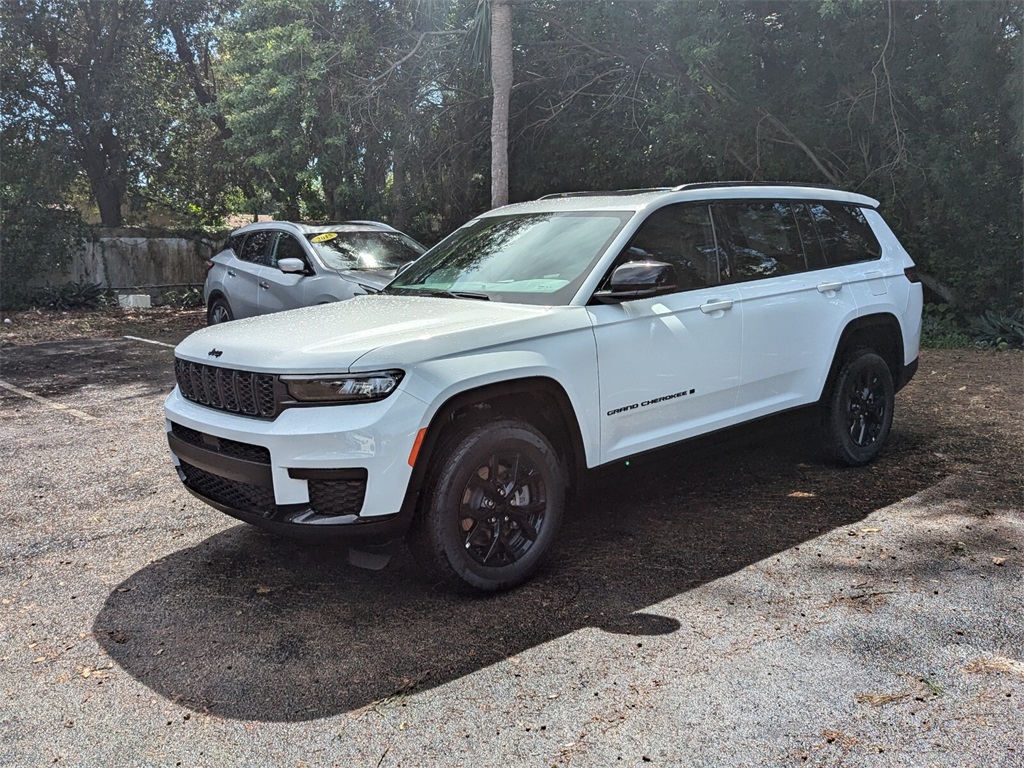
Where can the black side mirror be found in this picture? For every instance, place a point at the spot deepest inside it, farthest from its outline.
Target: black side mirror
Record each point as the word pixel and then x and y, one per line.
pixel 638 280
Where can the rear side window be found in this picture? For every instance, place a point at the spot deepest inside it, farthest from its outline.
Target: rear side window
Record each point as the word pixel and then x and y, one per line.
pixel 234 242
pixel 257 246
pixel 680 235
pixel 762 239
pixel 846 236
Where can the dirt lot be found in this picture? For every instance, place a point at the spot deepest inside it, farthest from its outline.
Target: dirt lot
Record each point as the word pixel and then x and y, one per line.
pixel 731 603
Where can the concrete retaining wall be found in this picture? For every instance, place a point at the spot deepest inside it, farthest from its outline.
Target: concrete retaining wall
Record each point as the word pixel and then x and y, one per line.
pixel 123 261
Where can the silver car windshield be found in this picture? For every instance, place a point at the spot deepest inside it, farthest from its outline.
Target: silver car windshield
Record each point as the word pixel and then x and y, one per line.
pixel 364 250
pixel 532 258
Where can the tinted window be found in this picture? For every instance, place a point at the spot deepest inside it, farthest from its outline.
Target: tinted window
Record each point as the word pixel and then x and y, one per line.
pixel 234 242
pixel 845 233
pixel 680 235
pixel 257 246
pixel 762 239
pixel 809 237
pixel 288 248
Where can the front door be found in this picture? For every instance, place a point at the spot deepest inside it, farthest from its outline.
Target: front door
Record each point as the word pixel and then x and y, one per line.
pixel 669 365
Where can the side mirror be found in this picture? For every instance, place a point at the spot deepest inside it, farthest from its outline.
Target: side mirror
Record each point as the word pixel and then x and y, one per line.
pixel 638 280
pixel 291 265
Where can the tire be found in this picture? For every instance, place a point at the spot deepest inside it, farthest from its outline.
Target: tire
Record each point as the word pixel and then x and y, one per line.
pixel 219 311
pixel 858 412
pixel 491 508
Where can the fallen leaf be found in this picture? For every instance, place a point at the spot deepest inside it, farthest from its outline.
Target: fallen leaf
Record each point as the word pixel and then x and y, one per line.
pixel 40 660
pixel 996 664
pixel 880 699
pixel 998 560
pixel 262 590
pixel 801 495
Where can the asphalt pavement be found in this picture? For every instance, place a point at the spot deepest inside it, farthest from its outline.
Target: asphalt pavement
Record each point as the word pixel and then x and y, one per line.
pixel 747 621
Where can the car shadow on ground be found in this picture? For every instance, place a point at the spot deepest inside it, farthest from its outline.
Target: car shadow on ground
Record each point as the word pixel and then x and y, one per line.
pixel 246 625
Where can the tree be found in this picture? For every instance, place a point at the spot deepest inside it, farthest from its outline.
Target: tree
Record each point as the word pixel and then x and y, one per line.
pixel 94 80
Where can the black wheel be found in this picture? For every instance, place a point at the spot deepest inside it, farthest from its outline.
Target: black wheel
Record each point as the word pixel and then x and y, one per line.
pixel 219 311
pixel 491 508
pixel 858 412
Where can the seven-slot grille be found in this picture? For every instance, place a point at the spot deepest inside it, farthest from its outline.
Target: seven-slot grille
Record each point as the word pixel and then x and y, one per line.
pixel 243 392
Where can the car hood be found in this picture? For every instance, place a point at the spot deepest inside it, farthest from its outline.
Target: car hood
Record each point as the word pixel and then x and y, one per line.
pixel 331 338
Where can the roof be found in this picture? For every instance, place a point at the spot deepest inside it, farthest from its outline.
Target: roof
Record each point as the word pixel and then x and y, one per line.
pixel 641 199
pixel 308 228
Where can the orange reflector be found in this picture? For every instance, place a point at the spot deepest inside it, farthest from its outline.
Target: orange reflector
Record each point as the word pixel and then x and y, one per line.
pixel 416 446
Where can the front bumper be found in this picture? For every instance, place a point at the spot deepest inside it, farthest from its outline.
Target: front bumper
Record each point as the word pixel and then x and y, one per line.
pixel 334 471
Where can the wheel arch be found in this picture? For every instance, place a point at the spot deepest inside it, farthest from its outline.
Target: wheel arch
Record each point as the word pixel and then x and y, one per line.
pixel 538 400
pixel 880 332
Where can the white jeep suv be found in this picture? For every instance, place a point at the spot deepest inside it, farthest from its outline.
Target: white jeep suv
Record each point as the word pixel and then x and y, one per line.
pixel 457 408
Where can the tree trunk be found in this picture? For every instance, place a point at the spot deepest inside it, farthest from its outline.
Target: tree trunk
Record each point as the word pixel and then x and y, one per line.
pixel 501 82
pixel 100 156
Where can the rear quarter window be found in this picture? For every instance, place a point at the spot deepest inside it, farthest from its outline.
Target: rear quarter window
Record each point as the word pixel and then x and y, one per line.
pixel 846 236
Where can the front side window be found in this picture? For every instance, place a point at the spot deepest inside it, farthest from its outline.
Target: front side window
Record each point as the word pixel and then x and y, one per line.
pixel 288 248
pixel 762 239
pixel 364 250
pixel 845 233
pixel 531 258
pixel 680 235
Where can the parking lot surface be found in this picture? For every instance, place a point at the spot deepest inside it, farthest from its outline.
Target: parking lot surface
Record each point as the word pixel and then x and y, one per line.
pixel 732 603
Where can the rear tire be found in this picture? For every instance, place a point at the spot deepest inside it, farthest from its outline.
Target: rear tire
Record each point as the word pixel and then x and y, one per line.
pixel 492 506
pixel 219 312
pixel 858 412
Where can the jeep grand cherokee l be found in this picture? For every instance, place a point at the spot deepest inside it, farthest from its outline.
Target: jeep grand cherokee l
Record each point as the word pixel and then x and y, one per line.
pixel 456 408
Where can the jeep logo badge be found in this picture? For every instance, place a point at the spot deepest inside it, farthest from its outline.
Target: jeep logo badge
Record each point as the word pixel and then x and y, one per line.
pixel 214 353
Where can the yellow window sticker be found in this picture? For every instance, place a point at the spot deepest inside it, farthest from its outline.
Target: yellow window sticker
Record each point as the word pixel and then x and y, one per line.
pixel 324 237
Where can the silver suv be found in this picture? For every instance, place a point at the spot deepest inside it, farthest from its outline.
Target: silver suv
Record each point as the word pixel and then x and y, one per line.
pixel 277 265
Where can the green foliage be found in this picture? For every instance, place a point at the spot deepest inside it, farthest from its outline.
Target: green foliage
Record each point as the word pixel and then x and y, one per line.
pixel 70 296
pixel 186 298
pixel 941 329
pixel 374 109
pixel 999 330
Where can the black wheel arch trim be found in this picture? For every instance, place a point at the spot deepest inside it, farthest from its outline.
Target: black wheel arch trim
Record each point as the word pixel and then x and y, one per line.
pixel 892 351
pixel 574 452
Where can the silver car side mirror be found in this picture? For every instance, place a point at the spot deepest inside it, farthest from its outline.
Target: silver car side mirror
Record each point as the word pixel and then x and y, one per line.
pixel 291 265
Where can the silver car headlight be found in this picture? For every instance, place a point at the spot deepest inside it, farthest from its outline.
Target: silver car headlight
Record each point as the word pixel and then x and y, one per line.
pixel 343 387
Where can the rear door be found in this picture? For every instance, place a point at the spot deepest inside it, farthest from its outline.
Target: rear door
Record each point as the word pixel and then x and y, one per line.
pixel 794 305
pixel 669 365
pixel 242 280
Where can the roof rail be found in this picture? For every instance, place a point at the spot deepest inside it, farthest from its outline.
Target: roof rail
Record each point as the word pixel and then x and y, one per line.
pixel 714 184
pixel 604 192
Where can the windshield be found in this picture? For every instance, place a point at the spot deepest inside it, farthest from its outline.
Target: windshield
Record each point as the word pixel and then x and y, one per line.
pixel 364 250
pixel 532 258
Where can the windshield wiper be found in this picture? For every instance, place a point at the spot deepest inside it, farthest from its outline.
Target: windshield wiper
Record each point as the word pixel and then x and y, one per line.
pixel 455 294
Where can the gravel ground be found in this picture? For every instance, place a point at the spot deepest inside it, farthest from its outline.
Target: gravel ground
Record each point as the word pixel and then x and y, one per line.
pixel 735 603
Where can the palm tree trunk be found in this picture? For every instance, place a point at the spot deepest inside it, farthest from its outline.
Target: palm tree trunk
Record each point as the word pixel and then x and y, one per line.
pixel 501 82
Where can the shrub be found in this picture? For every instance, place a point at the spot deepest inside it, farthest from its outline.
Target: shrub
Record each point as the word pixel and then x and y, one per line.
pixel 70 296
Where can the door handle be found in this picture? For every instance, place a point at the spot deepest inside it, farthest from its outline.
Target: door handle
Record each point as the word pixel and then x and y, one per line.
pixel 231 273
pixel 716 305
pixel 264 284
pixel 829 287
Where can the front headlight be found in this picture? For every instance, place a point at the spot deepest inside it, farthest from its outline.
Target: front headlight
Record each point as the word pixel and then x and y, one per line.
pixel 343 387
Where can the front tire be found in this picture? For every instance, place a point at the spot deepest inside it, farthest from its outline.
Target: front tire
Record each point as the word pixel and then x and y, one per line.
pixel 858 412
pixel 492 506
